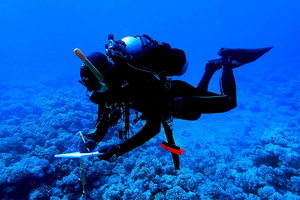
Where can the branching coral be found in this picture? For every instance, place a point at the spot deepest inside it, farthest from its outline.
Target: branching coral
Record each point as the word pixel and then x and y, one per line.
pixel 265 192
pixel 44 192
pixel 178 193
pixel 35 129
pixel 249 181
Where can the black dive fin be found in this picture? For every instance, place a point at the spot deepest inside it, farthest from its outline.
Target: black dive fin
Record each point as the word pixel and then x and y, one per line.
pixel 243 56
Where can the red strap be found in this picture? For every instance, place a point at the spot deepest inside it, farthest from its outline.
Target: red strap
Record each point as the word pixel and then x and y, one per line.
pixel 172 148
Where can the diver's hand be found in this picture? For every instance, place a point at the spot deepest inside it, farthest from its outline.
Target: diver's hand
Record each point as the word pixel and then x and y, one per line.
pixel 85 147
pixel 110 153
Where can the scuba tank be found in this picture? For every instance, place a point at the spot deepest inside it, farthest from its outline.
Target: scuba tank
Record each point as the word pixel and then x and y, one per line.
pixel 146 54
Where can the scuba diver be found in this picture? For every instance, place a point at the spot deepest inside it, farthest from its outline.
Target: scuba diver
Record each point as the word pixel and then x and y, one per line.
pixel 136 69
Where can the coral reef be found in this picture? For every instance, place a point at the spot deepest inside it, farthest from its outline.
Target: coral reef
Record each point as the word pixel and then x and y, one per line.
pixel 260 160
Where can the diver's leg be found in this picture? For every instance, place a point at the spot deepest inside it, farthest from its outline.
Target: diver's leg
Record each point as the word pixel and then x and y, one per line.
pixel 227 83
pixel 233 58
pixel 211 67
pixel 189 102
pixel 227 100
pixel 193 103
pixel 203 84
pixel 202 101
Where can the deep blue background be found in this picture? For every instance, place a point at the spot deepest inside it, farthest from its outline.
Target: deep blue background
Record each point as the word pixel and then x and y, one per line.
pixel 37 38
pixel 42 117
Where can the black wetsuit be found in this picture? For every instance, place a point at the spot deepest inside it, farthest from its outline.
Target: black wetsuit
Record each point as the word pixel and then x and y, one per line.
pixel 149 94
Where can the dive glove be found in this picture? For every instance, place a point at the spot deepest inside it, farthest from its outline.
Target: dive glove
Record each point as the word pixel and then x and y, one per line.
pixel 110 153
pixel 87 146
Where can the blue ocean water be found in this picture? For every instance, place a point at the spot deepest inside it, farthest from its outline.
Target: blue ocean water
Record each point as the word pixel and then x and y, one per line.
pixel 251 152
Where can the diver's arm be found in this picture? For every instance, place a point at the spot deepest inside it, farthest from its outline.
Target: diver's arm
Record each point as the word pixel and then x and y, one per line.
pixel 102 126
pixel 151 128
